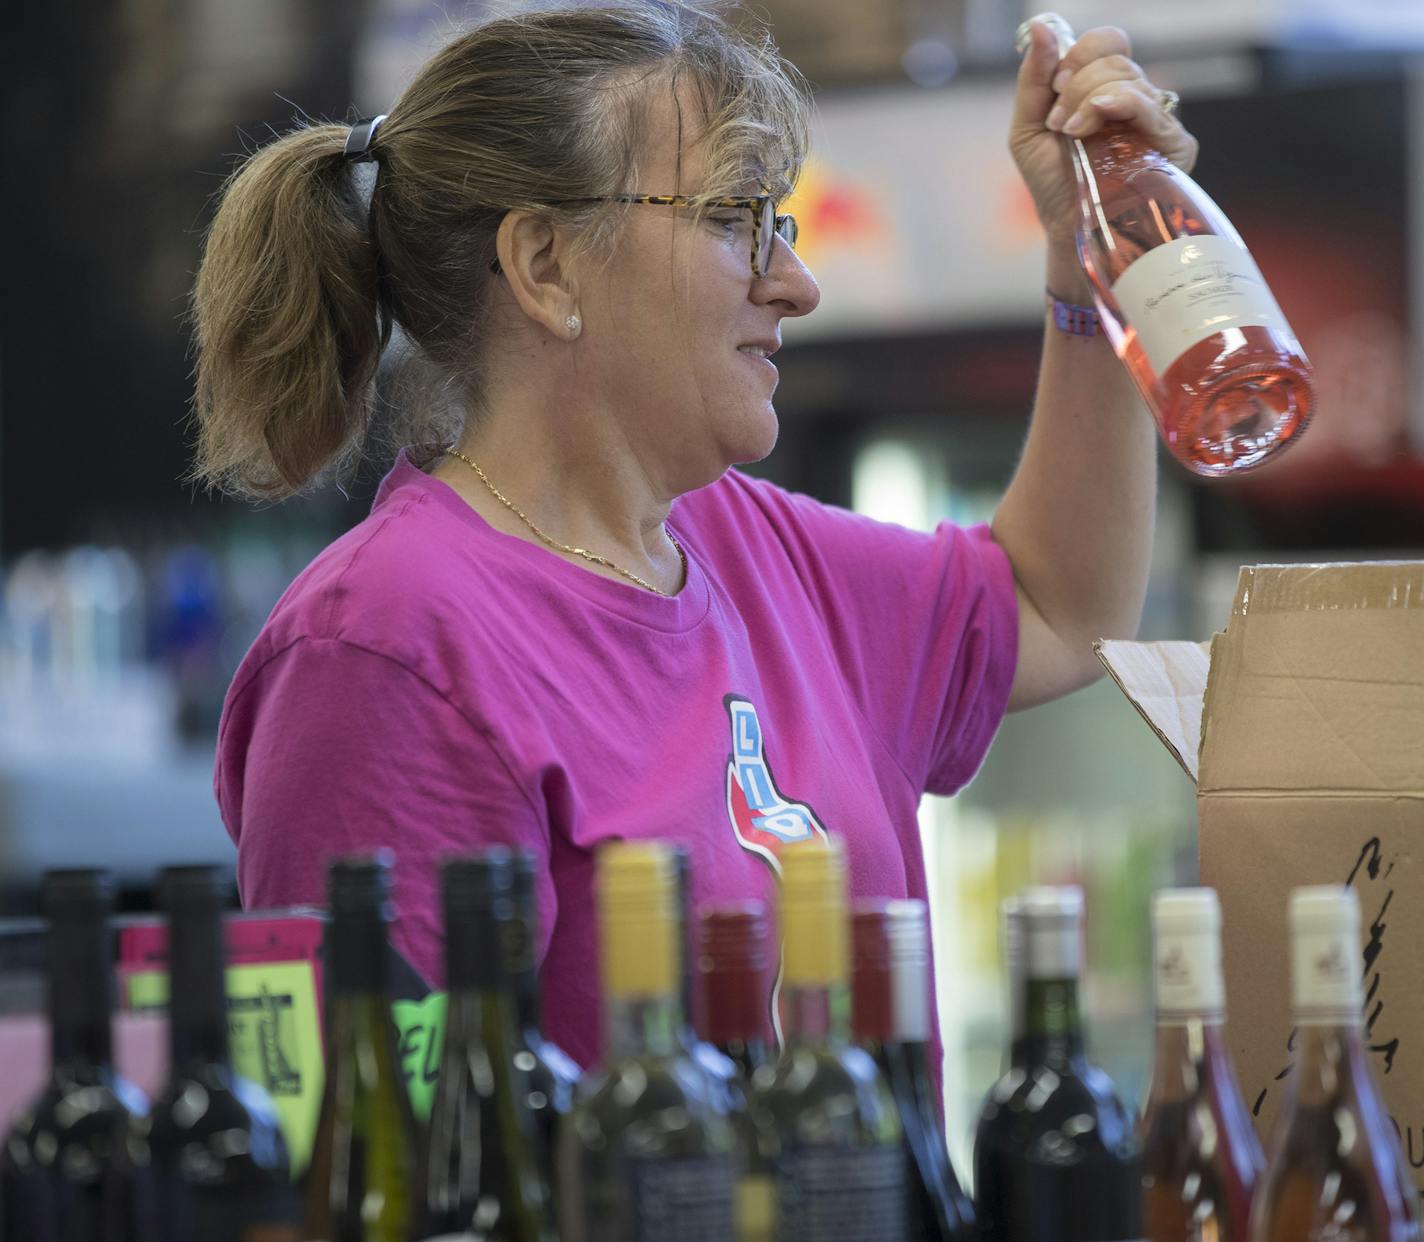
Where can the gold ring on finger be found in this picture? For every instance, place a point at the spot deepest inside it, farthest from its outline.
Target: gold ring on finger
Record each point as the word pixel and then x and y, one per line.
pixel 1169 101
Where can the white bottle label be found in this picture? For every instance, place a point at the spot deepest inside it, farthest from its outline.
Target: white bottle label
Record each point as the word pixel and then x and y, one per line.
pixel 1188 972
pixel 1325 977
pixel 1178 294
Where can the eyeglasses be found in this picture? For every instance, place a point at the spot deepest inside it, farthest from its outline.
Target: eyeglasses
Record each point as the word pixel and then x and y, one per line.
pixel 767 226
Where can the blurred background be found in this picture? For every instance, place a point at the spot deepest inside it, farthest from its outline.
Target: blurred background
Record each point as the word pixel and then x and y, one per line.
pixel 127 599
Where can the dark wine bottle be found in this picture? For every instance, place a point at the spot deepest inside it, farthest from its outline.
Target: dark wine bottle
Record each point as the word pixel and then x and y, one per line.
pixel 64 1172
pixel 891 1020
pixel 482 1173
pixel 1056 1154
pixel 211 1155
pixel 363 1181
pixel 649 1152
pixel 552 1073
pixel 826 1121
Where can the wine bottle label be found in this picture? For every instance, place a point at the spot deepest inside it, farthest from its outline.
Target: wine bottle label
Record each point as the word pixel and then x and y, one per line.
pixel 841 1195
pixel 1325 977
pixel 686 1199
pixel 1188 972
pixel 1178 294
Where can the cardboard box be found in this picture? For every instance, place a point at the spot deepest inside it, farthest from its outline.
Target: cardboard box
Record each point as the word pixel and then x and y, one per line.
pixel 1303 727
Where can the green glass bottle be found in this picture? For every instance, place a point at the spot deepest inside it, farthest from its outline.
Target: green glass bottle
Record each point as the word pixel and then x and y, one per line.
pixel 362 1184
pixel 649 1152
pixel 1056 1153
pixel 482 1169
pixel 826 1122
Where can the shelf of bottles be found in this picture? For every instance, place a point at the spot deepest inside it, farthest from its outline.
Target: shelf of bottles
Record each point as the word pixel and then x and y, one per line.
pixel 696 1129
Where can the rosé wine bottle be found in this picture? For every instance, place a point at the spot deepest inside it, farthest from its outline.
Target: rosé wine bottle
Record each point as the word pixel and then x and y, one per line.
pixel 1183 303
pixel 1200 1157
pixel 1336 1172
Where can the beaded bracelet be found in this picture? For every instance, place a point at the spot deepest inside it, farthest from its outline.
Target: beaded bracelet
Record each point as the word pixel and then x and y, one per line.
pixel 1077 320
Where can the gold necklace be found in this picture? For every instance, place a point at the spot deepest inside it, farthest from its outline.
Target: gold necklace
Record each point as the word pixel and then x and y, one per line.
pixel 564 547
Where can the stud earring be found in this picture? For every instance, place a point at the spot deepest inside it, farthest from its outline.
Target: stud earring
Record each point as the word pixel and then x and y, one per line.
pixel 573 323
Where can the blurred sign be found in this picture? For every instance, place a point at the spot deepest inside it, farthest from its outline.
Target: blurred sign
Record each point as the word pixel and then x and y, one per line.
pixel 913 215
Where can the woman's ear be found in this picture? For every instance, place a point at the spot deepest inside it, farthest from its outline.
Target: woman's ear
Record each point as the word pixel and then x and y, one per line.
pixel 533 257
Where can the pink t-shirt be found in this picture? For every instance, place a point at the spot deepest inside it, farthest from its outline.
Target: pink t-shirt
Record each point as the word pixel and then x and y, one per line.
pixel 432 685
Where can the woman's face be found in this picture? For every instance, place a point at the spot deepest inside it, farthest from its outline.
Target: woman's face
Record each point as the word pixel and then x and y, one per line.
pixel 675 323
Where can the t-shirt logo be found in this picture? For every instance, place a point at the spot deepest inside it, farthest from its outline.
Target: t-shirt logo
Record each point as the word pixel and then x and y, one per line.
pixel 763 819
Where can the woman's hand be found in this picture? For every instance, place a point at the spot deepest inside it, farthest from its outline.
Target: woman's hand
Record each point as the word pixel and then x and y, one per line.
pixel 1096 84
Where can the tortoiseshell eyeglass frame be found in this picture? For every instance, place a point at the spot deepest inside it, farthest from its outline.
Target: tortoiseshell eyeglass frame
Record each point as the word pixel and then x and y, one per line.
pixel 766 224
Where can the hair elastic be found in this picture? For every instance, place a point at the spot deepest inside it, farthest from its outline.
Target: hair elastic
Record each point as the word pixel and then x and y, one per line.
pixel 359 139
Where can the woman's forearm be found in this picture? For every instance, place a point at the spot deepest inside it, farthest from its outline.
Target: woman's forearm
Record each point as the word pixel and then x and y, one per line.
pixel 1076 520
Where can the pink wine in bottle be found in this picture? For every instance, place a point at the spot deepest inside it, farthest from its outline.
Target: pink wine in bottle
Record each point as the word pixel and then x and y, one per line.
pixel 1183 303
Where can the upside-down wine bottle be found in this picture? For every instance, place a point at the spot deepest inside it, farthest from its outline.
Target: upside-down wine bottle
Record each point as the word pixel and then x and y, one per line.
pixel 1182 301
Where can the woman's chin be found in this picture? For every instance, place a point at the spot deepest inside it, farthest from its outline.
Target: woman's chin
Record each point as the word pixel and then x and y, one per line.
pixel 759 438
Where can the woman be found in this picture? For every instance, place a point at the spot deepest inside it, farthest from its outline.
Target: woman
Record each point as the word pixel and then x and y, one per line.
pixel 568 620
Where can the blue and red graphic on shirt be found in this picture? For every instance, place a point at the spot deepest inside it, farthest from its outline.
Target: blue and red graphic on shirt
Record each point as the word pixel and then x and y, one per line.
pixel 763 819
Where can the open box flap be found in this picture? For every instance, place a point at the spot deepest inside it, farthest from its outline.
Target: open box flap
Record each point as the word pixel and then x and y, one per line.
pixel 1166 682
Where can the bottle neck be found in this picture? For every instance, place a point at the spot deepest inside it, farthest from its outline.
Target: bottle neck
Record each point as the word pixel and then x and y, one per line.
pixel 1188 1053
pixel 733 1010
pixel 521 941
pixel 906 1065
pixel 357 1022
pixel 527 1007
pixel 81 990
pixel 814 1014
pixel 1328 1059
pixel 356 954
pixel 891 1001
pixel 644 1025
pixel 477 1017
pixel 197 985
pixel 1053 1029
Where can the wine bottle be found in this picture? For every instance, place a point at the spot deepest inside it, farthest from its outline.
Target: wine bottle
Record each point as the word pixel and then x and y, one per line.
pixel 1182 302
pixel 363 1182
pixel 826 1121
pixel 212 1154
pixel 482 1172
pixel 1335 1170
pixel 649 1151
pixel 1200 1157
pixel 734 984
pixel 64 1172
pixel 891 1021
pixel 1055 1151
pixel 552 1073
pixel 1011 949
pixel 734 990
